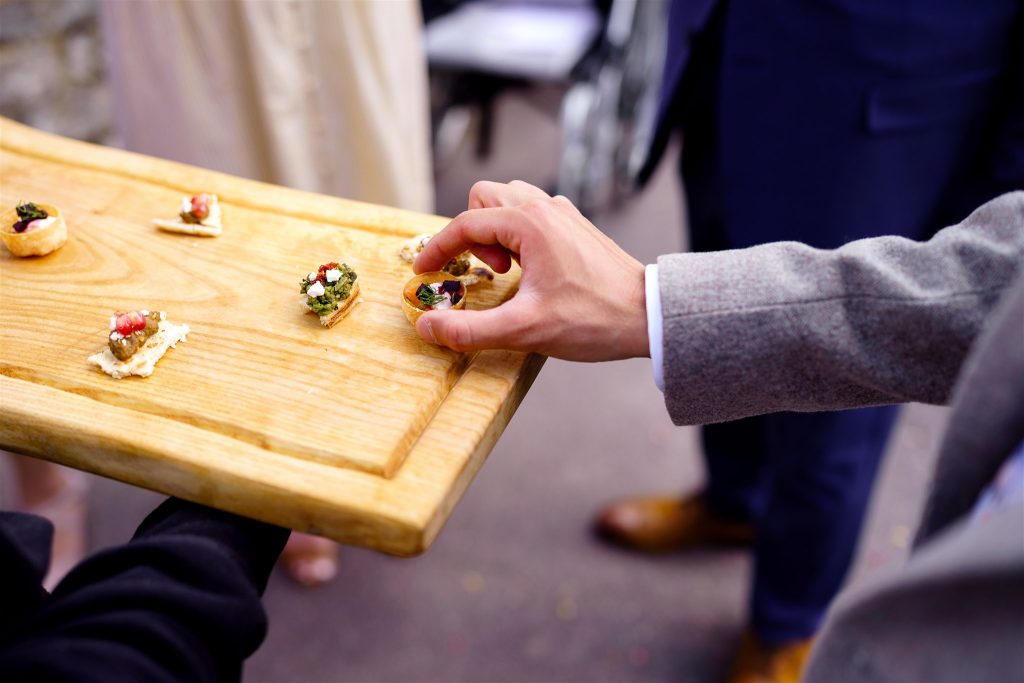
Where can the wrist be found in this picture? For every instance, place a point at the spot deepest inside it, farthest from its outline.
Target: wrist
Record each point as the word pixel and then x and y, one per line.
pixel 636 343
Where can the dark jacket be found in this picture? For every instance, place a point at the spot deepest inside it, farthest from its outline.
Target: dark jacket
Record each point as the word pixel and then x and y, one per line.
pixel 879 117
pixel 180 602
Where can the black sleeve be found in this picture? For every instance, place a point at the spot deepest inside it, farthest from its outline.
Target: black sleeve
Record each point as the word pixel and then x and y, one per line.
pixel 180 602
pixel 25 542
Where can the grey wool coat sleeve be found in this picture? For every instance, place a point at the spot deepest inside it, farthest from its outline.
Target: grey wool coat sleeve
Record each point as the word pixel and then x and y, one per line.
pixel 784 326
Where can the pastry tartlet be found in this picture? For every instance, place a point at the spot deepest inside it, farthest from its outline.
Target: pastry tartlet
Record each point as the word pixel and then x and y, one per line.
pixel 33 229
pixel 436 291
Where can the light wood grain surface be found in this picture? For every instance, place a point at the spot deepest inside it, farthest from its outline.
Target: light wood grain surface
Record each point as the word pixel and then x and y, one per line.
pixel 362 433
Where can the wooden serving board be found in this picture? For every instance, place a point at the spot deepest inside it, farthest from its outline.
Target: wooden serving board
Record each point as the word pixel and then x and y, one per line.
pixel 362 432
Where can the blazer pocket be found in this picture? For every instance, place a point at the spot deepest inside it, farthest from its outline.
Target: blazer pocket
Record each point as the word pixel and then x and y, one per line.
pixel 896 107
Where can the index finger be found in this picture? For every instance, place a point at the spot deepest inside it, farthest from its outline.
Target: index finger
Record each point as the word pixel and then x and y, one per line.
pixel 497 227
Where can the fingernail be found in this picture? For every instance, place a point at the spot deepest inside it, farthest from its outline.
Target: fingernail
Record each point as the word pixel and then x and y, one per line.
pixel 429 329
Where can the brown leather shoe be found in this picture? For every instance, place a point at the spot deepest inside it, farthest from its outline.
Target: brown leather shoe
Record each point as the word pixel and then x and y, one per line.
pixel 657 525
pixel 757 662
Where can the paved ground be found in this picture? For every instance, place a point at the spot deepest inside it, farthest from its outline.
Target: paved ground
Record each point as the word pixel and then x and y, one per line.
pixel 515 589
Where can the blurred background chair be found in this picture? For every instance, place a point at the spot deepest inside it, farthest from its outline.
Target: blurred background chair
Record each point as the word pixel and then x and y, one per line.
pixel 604 60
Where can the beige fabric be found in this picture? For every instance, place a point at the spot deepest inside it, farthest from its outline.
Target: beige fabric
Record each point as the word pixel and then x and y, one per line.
pixel 326 96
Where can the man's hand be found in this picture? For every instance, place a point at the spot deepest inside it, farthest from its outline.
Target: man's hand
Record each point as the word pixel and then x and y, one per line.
pixel 580 296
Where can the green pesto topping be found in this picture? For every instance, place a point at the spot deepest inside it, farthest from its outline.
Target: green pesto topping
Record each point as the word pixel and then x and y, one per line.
pixel 334 292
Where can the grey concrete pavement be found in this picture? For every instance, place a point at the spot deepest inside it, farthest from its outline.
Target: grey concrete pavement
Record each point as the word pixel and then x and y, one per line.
pixel 516 588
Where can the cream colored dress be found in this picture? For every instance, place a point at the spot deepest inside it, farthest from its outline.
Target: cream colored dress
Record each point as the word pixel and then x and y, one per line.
pixel 322 95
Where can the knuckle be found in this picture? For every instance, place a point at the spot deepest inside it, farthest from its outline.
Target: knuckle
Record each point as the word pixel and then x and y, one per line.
pixel 527 326
pixel 528 188
pixel 536 208
pixel 460 335
pixel 562 201
pixel 479 194
pixel 521 312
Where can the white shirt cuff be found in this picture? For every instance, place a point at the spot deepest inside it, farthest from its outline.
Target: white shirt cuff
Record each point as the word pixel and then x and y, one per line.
pixel 654 324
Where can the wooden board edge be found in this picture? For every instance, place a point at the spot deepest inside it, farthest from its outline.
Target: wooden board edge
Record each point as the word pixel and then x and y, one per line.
pixel 25 140
pixel 405 530
pixel 461 474
pixel 73 438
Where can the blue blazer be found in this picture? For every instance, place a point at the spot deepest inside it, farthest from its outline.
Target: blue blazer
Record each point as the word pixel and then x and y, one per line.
pixel 839 119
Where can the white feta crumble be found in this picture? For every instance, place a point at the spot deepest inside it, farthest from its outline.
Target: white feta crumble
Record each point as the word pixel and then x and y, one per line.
pixel 316 289
pixel 333 275
pixel 444 304
pixel 113 322
pixel 311 277
pixel 40 223
pixel 186 205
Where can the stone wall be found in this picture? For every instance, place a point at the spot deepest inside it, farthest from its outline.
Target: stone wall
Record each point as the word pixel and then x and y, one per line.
pixel 52 74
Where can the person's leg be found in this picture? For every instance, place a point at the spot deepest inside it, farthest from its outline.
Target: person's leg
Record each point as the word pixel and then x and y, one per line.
pixel 734 465
pixel 818 482
pixel 38 480
pixel 721 513
pixel 733 451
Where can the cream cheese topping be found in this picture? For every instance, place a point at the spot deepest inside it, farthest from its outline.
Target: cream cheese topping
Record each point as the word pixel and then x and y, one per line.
pixel 40 223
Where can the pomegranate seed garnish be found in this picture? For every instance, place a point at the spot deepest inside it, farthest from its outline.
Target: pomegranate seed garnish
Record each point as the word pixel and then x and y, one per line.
pixel 123 324
pixel 200 206
pixel 138 321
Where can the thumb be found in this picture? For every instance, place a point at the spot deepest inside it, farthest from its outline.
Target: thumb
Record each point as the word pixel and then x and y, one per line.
pixel 502 327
